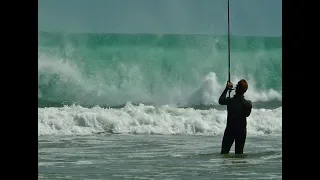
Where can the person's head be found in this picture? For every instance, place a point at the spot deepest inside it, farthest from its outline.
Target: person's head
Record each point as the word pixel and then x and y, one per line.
pixel 241 87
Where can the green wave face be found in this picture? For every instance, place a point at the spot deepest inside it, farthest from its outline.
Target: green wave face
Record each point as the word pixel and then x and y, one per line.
pixel 96 69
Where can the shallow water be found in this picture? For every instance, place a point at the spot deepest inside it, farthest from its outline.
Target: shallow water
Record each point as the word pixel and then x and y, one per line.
pixel 115 156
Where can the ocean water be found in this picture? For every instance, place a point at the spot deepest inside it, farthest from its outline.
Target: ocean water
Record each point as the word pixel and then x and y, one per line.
pixel 145 106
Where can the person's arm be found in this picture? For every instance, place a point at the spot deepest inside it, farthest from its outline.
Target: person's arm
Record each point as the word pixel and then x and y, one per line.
pixel 248 106
pixel 223 100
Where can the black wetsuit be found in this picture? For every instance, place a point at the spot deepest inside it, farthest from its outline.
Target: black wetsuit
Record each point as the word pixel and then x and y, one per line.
pixel 236 130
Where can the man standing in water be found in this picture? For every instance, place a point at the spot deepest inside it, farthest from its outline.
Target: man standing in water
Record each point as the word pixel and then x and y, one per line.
pixel 238 110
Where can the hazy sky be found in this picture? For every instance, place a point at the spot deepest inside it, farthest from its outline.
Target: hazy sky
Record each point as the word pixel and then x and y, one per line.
pixel 247 17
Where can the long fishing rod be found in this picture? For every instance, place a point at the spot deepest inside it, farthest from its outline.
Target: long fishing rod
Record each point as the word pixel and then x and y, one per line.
pixel 229 46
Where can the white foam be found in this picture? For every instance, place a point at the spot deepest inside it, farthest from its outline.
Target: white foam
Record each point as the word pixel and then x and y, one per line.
pixel 67 71
pixel 142 119
pixel 84 162
pixel 211 89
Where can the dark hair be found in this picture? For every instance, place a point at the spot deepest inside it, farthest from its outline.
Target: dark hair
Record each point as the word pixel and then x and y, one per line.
pixel 242 86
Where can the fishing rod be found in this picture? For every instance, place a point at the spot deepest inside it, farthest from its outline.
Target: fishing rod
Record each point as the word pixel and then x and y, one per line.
pixel 229 45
